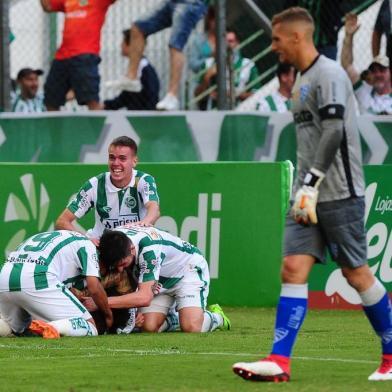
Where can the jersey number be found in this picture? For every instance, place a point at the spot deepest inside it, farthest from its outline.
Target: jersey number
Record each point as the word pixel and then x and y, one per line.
pixel 43 240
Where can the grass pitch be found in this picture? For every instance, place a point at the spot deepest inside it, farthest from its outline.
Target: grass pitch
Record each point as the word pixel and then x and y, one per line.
pixel 336 351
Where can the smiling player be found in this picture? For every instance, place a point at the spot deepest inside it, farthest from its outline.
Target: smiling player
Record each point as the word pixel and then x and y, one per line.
pixel 122 195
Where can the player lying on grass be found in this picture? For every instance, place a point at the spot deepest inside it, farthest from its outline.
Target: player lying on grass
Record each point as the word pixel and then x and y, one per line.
pixel 125 320
pixel 33 286
pixel 170 270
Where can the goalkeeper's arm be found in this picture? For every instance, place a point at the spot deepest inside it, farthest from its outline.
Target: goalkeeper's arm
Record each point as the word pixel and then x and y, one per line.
pixel 304 208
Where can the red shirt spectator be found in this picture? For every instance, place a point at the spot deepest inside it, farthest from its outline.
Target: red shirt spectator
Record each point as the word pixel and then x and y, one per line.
pixel 75 66
pixel 82 26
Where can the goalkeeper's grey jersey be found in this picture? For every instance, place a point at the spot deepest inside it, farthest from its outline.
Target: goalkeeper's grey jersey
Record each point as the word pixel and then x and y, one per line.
pixel 324 92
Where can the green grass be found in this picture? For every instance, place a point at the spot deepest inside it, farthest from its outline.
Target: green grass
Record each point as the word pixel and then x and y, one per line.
pixel 336 351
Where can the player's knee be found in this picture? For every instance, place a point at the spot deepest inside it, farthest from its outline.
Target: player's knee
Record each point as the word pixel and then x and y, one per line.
pixel 359 278
pixel 190 325
pixel 150 326
pixel 289 270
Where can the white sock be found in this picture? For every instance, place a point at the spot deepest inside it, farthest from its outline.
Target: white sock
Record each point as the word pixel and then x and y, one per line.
pixel 5 329
pixel 171 323
pixel 373 294
pixel 211 321
pixel 76 326
pixel 292 290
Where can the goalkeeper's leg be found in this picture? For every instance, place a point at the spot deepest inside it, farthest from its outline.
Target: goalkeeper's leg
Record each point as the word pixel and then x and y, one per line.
pixel 290 315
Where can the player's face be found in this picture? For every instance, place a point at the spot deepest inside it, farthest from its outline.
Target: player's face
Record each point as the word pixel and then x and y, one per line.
pixel 126 261
pixel 29 85
pixel 122 160
pixel 381 78
pixel 284 42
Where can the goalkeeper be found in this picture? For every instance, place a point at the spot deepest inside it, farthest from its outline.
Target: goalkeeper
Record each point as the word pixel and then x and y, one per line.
pixel 328 208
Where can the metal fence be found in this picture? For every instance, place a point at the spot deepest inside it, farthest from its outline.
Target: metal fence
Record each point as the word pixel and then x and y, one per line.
pixel 35 35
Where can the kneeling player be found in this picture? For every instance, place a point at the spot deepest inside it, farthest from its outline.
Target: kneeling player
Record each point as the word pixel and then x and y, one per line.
pixel 170 270
pixel 32 286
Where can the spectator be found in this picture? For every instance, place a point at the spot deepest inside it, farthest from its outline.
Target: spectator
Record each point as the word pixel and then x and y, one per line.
pixel 383 26
pixel 372 98
pixel 148 97
pixel 244 73
pixel 327 16
pixel 76 61
pixel 182 16
pixel 279 101
pixel 27 99
pixel 203 45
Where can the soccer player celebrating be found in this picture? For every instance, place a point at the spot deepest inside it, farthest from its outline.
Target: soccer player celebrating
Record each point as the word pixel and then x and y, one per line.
pixel 33 285
pixel 170 270
pixel 122 195
pixel 328 207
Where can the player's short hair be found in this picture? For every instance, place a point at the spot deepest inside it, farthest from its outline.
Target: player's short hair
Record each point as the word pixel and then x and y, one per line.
pixel 126 142
pixel 293 14
pixel 284 68
pixel 113 247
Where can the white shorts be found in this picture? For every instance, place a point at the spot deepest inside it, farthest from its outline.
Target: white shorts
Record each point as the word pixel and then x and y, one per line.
pixel 191 291
pixel 18 308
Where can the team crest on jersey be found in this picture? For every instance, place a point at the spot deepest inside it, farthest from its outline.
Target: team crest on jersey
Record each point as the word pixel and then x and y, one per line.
pixel 130 202
pixel 304 92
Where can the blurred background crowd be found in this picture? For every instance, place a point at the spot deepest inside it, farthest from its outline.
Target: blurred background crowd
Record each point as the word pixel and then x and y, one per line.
pixel 75 55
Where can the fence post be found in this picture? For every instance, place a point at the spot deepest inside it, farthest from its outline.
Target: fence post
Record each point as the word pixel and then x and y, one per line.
pixel 221 53
pixel 5 78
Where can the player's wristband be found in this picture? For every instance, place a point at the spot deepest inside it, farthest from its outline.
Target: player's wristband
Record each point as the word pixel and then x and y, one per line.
pixel 314 177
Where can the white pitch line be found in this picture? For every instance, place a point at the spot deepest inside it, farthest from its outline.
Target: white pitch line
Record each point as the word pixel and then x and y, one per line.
pixel 134 352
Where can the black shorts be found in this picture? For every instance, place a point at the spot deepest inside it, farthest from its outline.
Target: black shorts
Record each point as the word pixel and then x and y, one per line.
pixel 340 229
pixel 79 73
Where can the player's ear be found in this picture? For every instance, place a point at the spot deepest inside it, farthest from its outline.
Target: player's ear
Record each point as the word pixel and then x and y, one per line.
pixel 296 36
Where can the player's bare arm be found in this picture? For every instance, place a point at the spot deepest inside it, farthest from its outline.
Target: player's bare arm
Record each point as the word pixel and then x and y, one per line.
pixel 153 213
pixel 351 26
pixel 65 221
pixel 100 298
pixel 140 298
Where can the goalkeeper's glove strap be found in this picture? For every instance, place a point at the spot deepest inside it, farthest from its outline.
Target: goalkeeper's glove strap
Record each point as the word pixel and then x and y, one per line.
pixel 313 178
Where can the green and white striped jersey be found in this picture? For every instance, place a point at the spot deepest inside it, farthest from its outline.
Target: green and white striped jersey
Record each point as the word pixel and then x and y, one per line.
pixel 114 206
pixel 370 102
pixel 162 256
pixel 276 102
pixel 33 105
pixel 47 259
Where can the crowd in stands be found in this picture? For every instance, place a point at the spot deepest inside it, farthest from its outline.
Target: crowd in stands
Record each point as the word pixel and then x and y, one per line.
pixel 74 78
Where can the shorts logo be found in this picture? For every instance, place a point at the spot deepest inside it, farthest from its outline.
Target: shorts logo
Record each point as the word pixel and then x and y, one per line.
pixel 130 202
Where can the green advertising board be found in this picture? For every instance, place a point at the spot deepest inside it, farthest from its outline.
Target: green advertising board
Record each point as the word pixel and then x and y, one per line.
pixel 166 137
pixel 328 288
pixel 232 211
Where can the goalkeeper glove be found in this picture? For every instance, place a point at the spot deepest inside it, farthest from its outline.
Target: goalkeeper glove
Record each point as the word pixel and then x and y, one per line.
pixel 304 208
